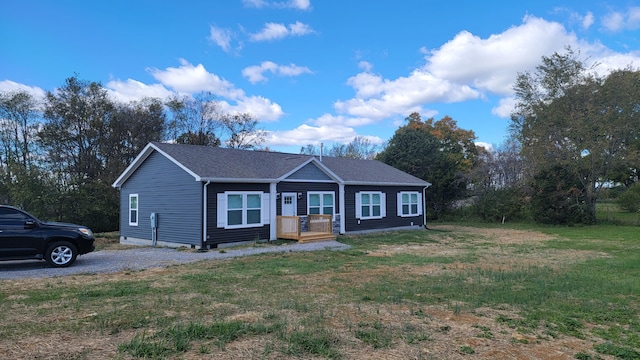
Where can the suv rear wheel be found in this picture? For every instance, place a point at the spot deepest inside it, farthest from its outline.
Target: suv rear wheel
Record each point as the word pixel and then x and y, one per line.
pixel 61 254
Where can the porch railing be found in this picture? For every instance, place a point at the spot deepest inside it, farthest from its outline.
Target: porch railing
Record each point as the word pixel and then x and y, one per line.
pixel 290 227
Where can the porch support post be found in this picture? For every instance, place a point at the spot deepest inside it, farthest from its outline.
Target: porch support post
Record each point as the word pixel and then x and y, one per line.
pixel 273 222
pixel 342 207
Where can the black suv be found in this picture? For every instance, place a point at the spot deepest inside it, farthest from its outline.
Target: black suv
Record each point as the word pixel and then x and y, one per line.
pixel 22 237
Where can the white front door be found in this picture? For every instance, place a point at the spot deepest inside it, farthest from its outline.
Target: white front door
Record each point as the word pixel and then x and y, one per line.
pixel 289 201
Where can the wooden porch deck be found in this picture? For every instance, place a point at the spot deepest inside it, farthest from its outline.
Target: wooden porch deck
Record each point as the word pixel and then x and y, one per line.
pixel 320 228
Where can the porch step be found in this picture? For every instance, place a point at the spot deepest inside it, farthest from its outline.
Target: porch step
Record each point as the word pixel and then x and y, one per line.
pixel 315 238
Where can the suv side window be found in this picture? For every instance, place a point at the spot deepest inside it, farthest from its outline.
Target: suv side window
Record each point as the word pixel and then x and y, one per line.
pixel 12 218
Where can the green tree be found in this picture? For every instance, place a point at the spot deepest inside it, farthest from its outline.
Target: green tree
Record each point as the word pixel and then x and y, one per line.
pixel 558 197
pixel 131 127
pixel 22 183
pixel 567 117
pixel 629 200
pixel 77 122
pixel 436 151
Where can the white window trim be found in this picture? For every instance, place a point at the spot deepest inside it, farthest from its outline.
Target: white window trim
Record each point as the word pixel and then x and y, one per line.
pixel 137 209
pixel 383 205
pixel 419 204
pixel 321 193
pixel 223 209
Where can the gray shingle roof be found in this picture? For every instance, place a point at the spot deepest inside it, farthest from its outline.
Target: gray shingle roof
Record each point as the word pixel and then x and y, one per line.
pixel 214 163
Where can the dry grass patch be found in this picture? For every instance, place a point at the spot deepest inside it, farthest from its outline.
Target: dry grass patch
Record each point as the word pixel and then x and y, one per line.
pixel 369 304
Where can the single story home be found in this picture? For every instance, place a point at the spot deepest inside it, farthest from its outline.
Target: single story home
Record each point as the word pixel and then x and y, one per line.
pixel 203 197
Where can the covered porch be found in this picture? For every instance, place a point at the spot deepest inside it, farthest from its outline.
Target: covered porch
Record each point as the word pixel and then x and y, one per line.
pixel 320 228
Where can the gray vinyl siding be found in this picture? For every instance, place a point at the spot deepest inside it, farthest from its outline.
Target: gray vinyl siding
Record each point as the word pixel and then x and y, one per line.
pixel 392 220
pixel 216 235
pixel 304 187
pixel 309 172
pixel 164 188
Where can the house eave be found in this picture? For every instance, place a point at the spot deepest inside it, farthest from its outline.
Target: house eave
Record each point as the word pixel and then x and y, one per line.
pixel 238 180
pixel 139 160
pixel 378 183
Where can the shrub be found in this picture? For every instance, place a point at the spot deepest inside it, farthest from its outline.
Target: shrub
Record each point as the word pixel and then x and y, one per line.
pixel 630 199
pixel 500 204
pixel 558 198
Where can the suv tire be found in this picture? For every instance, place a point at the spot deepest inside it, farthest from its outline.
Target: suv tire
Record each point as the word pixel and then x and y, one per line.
pixel 61 254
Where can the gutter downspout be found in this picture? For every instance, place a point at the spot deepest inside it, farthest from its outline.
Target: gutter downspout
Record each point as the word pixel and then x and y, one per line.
pixel 203 245
pixel 342 208
pixel 424 207
pixel 273 223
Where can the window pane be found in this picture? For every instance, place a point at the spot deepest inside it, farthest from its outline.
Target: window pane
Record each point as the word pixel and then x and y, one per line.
pixel 365 211
pixel 405 209
pixel 414 209
pixel 414 198
pixel 234 202
pixel 327 210
pixel 234 217
pixel 365 199
pixel 327 199
pixel 314 210
pixel 133 202
pixel 253 216
pixel 314 200
pixel 253 202
pixel 376 210
pixel 375 198
pixel 405 198
pixel 133 216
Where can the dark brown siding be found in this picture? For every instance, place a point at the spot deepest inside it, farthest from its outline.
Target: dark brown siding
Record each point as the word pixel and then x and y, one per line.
pixel 217 235
pixel 392 219
pixel 303 187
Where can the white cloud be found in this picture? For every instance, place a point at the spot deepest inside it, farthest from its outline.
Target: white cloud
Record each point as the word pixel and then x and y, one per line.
pixel 131 90
pixel 307 134
pixel 505 107
pixel 7 86
pixel 274 31
pixel 467 67
pixel 256 73
pixel 295 4
pixel 261 108
pixel 222 37
pixel 300 4
pixel 192 79
pixel 255 3
pixel 485 145
pixel 492 64
pixel 340 120
pixel 616 21
pixel 365 65
pixel 379 98
pixel 587 20
pixel 613 21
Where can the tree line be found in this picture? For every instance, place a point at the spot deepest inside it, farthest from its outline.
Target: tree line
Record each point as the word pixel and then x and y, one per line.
pixel 573 134
pixel 59 155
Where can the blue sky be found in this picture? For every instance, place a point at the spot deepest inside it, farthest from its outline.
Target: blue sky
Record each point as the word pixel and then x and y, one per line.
pixel 314 70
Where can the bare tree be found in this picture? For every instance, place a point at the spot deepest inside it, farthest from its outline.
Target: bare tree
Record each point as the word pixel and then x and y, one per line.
pixel 194 120
pixel 242 131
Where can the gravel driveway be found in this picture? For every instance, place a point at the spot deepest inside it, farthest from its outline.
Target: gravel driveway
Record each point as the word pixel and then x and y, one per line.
pixel 110 261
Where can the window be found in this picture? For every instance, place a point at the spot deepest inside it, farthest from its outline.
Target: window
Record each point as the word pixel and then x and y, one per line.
pixel 10 218
pixel 409 204
pixel 241 209
pixel 370 205
pixel 133 209
pixel 321 203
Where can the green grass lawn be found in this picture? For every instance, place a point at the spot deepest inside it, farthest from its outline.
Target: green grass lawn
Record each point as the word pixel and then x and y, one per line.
pixel 452 292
